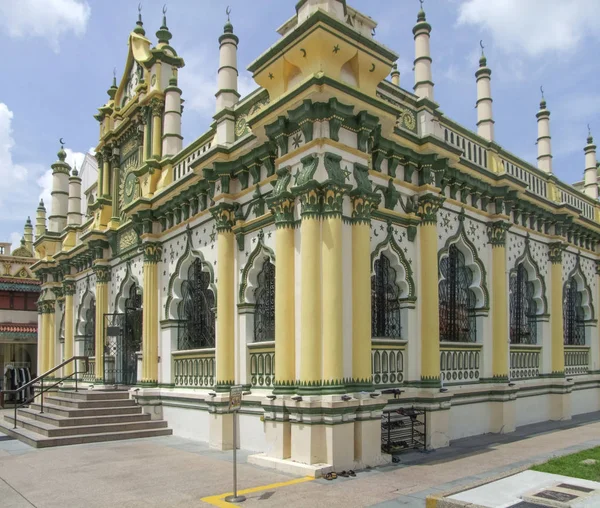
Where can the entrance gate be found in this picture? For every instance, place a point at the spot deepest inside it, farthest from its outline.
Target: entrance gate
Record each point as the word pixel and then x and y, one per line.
pixel 123 333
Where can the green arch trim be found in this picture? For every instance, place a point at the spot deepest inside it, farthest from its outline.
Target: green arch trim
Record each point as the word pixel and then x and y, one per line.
pixel 529 257
pixel 586 287
pixel 260 246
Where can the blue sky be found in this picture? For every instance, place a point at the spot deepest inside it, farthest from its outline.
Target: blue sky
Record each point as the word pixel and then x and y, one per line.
pixel 59 55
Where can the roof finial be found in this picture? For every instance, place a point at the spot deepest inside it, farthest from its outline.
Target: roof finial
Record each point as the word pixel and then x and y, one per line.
pixel 482 60
pixel 62 143
pixel 165 15
pixel 228 12
pixel 590 139
pixel 163 34
pixel 421 14
pixel 228 29
pixel 543 102
pixel 139 29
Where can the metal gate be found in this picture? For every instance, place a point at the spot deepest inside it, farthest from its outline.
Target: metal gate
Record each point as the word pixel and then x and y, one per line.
pixel 123 341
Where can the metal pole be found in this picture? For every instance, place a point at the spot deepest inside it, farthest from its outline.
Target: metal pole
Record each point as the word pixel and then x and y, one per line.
pixel 75 362
pixel 235 498
pixel 42 397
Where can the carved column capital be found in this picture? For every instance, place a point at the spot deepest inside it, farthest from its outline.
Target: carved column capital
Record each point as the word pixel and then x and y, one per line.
pixel 497 233
pixel 429 204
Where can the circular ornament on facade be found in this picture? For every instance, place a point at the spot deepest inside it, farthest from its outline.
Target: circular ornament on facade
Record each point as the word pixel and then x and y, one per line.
pixel 240 126
pixel 407 119
pixel 129 189
pixel 153 80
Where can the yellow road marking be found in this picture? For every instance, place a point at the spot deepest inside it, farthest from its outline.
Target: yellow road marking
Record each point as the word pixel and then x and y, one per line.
pixel 219 500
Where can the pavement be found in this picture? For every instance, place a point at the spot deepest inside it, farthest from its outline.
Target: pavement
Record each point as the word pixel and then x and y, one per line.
pixel 171 471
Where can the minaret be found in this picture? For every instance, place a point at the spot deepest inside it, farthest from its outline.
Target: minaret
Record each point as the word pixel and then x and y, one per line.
pixel 112 91
pixel 590 174
pixel 423 80
pixel 227 94
pixel 485 117
pixel 74 210
pixel 543 141
pixel 40 220
pixel 395 75
pixel 60 192
pixel 139 29
pixel 28 235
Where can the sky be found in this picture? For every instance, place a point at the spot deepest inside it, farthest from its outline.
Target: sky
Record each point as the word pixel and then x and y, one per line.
pixel 59 56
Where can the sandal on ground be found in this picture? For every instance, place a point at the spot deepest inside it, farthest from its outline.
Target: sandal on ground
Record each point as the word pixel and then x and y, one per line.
pixel 344 474
pixel 328 476
pixel 351 473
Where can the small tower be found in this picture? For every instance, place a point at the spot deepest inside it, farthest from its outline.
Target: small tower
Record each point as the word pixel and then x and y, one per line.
pixel 112 91
pixel 40 220
pixel 395 75
pixel 227 77
pixel 172 139
pixel 74 210
pixel 28 235
pixel 590 174
pixel 60 192
pixel 423 80
pixel 485 117
pixel 543 141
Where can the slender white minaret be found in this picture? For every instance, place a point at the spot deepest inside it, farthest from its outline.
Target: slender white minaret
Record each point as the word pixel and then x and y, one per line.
pixel 395 75
pixel 543 141
pixel 227 77
pixel 60 192
pixel 28 235
pixel 74 211
pixel 590 174
pixel 423 79
pixel 172 139
pixel 485 117
pixel 40 220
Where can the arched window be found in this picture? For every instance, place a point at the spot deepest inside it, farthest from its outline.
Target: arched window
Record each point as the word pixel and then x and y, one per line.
pixel 89 341
pixel 385 301
pixel 264 310
pixel 133 318
pixel 523 309
pixel 573 315
pixel 196 310
pixel 457 300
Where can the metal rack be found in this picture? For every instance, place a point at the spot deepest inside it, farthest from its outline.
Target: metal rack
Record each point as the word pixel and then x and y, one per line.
pixel 403 429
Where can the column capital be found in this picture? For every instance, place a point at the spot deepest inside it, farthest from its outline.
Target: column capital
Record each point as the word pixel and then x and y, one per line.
pixel 152 252
pixel 497 233
pixel 157 107
pixel 429 204
pixel 69 287
pixel 332 198
pixel 47 306
pixel 283 210
pixel 224 216
pixel 102 273
pixel 362 206
pixel 312 203
pixel 555 251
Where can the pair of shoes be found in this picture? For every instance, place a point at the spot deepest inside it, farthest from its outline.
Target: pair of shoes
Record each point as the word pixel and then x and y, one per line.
pixel 331 476
pixel 351 473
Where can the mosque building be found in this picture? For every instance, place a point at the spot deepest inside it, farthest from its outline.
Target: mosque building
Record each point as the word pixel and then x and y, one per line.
pixel 332 242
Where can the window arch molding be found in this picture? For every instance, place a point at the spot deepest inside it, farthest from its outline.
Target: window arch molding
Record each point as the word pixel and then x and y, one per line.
pixel 583 288
pixel 534 275
pixel 86 303
pixel 254 266
pixel 180 275
pixel 123 293
pixel 398 262
pixel 472 261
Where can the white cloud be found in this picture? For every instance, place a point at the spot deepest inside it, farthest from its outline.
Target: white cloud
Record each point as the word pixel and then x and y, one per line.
pixel 533 27
pixel 48 19
pixel 18 198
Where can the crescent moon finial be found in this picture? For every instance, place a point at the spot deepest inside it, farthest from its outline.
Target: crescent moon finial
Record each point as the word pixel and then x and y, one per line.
pixel 62 143
pixel 114 72
pixel 421 2
pixel 542 90
pixel 228 12
pixel 165 9
pixel 589 130
pixel 140 7
pixel 482 46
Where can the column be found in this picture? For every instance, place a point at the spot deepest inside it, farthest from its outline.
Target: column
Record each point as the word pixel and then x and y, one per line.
pixel 331 283
pixel 105 173
pixel 285 291
pixel 595 341
pixel 500 339
pixel 69 289
pixel 41 339
pixel 556 309
pixel 152 256
pixel 50 335
pixel 429 205
pixel 115 187
pixel 225 359
pixel 361 290
pixel 157 109
pixel 100 159
pixel 310 291
pixel 102 279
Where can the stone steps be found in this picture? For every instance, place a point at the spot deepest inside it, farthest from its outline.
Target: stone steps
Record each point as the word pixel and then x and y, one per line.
pixel 82 417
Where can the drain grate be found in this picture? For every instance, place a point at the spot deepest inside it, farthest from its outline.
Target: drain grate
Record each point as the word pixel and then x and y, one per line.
pixel 555 495
pixel 574 487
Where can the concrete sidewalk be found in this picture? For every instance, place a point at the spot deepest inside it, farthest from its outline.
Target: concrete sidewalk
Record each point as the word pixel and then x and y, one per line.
pixel 170 472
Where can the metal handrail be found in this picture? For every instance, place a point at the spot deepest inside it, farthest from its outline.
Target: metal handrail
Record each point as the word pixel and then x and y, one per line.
pixel 40 379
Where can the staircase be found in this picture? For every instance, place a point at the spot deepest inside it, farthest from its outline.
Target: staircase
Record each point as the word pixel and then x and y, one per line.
pixel 87 416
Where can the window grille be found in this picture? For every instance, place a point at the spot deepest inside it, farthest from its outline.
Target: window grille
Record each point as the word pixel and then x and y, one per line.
pixel 385 301
pixel 264 311
pixel 573 315
pixel 89 342
pixel 196 310
pixel 457 300
pixel 523 309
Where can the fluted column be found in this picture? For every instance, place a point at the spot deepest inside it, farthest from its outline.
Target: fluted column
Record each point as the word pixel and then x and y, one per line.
pixel 100 159
pixel 224 218
pixel 157 110
pixel 152 256
pixel 41 339
pixel 285 288
pixel 69 290
pixel 51 335
pixel 102 280
pixel 556 309
pixel 362 204
pixel 106 173
pixel 429 205
pixel 115 186
pixel 500 339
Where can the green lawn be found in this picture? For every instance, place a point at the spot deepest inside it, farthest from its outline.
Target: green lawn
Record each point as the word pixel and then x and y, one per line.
pixel 570 465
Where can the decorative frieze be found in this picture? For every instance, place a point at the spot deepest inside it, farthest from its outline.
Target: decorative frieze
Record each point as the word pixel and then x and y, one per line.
pixel 224 215
pixel 429 204
pixel 69 287
pixel 555 251
pixel 102 274
pixel 497 233
pixel 152 252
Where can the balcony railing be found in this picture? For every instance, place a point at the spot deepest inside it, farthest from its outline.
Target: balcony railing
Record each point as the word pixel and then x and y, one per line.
pixel 524 361
pixel 262 366
pixel 460 363
pixel 387 359
pixel 577 359
pixel 194 368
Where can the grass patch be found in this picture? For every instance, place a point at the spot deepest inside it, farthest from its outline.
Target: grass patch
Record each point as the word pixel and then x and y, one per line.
pixel 570 465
